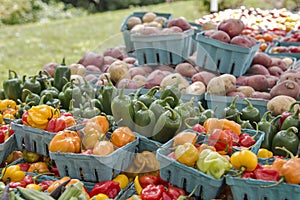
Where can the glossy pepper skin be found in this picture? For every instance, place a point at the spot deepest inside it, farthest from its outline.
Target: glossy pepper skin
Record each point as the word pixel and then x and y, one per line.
pixel 30 97
pixel 32 84
pixel 244 123
pixel 12 173
pixel 122 110
pixel 149 97
pixel 39 116
pixel 2 94
pixel 187 154
pixel 30 157
pixel 62 75
pixel 55 125
pixel 250 112
pixel 231 111
pixel 12 86
pixel 286 138
pixel 108 187
pixel 267 174
pixel 158 106
pixel 185 111
pixel 144 120
pixel 292 120
pixel 173 91
pixel 49 89
pixel 212 123
pixel 244 160
pixel 87 88
pixel 166 126
pixel 221 140
pixel 70 91
pixel 152 192
pixel 108 93
pixel 91 110
pixel 206 113
pixel 285 114
pixel 212 163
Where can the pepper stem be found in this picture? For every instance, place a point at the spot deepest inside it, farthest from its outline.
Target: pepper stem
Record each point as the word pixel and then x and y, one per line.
pixel 291 108
pixel 281 180
pixel 257 131
pixel 286 150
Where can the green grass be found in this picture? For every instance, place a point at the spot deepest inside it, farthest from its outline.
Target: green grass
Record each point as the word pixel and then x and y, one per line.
pixel 26 48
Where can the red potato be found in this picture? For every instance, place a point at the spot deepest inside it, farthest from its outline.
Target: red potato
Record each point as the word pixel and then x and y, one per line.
pixel 257 82
pixel 90 77
pixel 261 95
pixel 203 76
pixel 127 84
pixel 133 71
pixel 93 68
pixel 91 58
pixel 258 69
pixel 275 71
pixel 147 68
pixel 272 80
pixel 185 69
pixel 108 60
pixel 114 52
pixel 50 68
pixel 243 41
pixel 279 63
pixel 232 27
pixel 176 29
pixel 241 80
pixel 155 78
pixel 221 36
pixel 287 88
pixel 180 22
pixel 236 93
pixel 290 75
pixel 166 68
pixel 262 59
pixel 129 60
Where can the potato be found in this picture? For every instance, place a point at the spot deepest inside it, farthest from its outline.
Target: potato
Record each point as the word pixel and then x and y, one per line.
pixel 149 30
pixel 196 88
pixel 92 68
pixel 232 27
pixel 129 60
pixel 118 70
pixel 241 80
pixel 180 22
pixel 243 41
pixel 149 17
pixel 288 88
pixel 114 52
pixel 160 20
pixel 140 80
pixel 50 68
pixel 258 69
pixel 280 104
pixel 221 36
pixel 166 68
pixel 172 79
pixel 236 93
pixel 185 69
pixel 275 71
pixel 261 95
pixel 155 78
pixel 137 28
pixel 257 82
pixel 246 90
pixel 288 61
pixel 209 25
pixel 133 21
pixel 262 59
pixel 216 86
pixel 272 80
pixel 229 81
pixel 203 76
pixel 279 63
pixel 127 84
pixel 133 71
pixel 175 29
pixel 91 58
pixel 90 77
pixel 108 60
pixel 290 75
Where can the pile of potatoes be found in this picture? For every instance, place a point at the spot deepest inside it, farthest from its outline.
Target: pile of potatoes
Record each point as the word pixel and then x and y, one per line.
pixel 230 31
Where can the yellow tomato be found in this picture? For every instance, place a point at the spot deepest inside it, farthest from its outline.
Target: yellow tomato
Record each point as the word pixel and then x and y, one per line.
pixel 34 186
pixel 100 197
pixel 122 179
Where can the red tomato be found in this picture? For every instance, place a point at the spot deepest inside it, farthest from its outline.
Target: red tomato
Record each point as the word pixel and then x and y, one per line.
pixel 147 180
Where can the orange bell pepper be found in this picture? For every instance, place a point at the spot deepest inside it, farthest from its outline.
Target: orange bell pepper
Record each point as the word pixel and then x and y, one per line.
pixel 122 136
pixel 214 123
pixel 65 141
pixel 38 167
pixel 57 183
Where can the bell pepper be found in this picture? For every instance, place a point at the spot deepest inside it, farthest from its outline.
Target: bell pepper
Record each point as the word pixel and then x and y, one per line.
pixel 39 116
pixel 267 174
pixel 88 89
pixel 221 140
pixel 39 167
pixel 45 184
pixel 62 75
pixel 212 163
pixel 122 136
pixel 65 141
pixel 122 109
pixel 144 120
pixel 269 127
pixel 145 180
pixel 91 110
pixel 285 114
pixel 108 187
pixel 12 86
pixel 12 173
pixel 186 111
pixel 69 120
pixel 231 112
pixel 244 123
pixel 5 132
pixel 123 181
pixel 187 154
pixel 213 123
pixel 49 89
pixel 108 93
pixel 2 94
pixel 175 192
pixel 206 113
pixel 166 126
pixel 245 140
pixel 250 112
pixel 149 97
pixel 70 91
pixel 292 120
pixel 264 153
pixel 30 157
pixel 158 106
pixel 244 160
pixel 286 138
pixel 55 125
pixel 100 197
pixel 30 97
pixel 152 192
pixel 6 104
pixel 291 168
pixel 24 166
pixel 16 184
pixel 199 128
pixel 173 91
pixel 32 84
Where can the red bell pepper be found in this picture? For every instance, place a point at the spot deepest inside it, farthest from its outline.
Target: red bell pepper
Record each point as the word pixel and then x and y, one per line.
pixel 16 184
pixel 285 114
pixel 175 192
pixel 24 118
pixel 55 125
pixel 55 171
pixel 152 192
pixel 148 179
pixel 45 184
pixel 28 179
pixel 199 128
pixel 108 187
pixel 235 137
pixel 246 140
pixel 267 174
pixel 66 114
pixel 221 140
pixel 24 166
pixel 165 196
pixel 5 130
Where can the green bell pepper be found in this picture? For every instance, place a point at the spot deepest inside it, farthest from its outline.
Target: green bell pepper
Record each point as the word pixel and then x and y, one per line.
pixel 212 163
pixel 88 89
pixel 12 86
pixel 2 94
pixel 122 110
pixel 286 138
pixel 173 91
pixel 90 111
pixel 167 125
pixel 244 123
pixel 49 89
pixel 108 93
pixel 70 91
pixel 208 113
pixel 62 75
pixel 32 84
pixel 231 112
pixel 185 111
pixel 76 112
pixel 31 97
pixel 158 106
pixel 250 112
pixel 48 99
pixel 292 120
pixel 144 120
pixel 149 97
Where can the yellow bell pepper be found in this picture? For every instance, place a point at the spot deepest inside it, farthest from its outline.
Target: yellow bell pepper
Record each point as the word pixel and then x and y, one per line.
pixel 1 119
pixel 39 116
pixel 244 160
pixel 213 123
pixel 12 173
pixel 264 153
pixel 187 154
pixel 100 197
pixel 122 179
pixel 7 103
